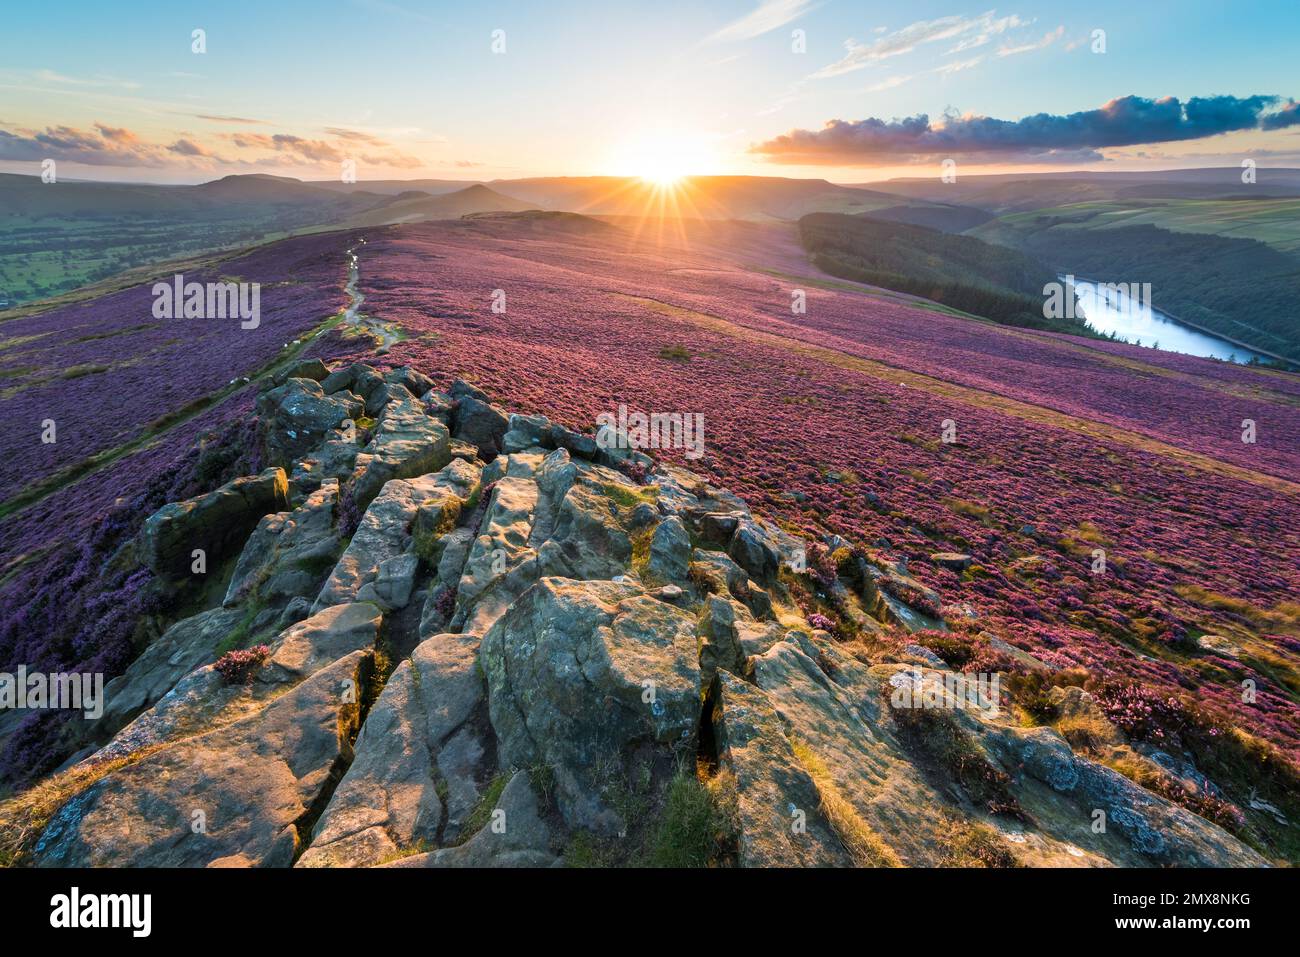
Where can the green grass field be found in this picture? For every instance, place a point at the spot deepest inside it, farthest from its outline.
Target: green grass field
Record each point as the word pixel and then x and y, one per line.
pixel 1272 221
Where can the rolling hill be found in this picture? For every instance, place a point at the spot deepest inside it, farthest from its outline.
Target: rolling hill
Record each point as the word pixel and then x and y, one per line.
pixel 959 271
pixel 702 197
pixel 417 207
pixel 1017 192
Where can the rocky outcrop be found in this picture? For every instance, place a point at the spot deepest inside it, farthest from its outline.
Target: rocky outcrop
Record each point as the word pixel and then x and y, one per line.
pixel 421 766
pixel 481 424
pixel 407 443
pixel 491 640
pixel 516 837
pixel 776 795
pixel 564 644
pixel 289 552
pixel 297 416
pixel 181 649
pixel 215 524
pixel 385 531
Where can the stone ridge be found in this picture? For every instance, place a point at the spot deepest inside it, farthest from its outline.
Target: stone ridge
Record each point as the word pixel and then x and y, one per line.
pixel 448 635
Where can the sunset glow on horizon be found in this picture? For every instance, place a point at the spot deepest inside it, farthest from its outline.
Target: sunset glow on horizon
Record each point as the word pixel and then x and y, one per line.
pixel 846 92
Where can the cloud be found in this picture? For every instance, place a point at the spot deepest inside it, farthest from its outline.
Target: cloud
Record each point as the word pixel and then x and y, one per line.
pixel 396 160
pixel 118 134
pixel 104 145
pixel 227 119
pixel 101 146
pixel 769 15
pixel 1127 121
pixel 189 148
pixel 353 135
pixel 956 66
pixel 1047 40
pixel 297 150
pixel 296 147
pixel 973 31
pixel 99 80
pixel 1288 115
pixel 887 84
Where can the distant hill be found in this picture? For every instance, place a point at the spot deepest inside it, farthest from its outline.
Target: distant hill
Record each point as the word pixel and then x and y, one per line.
pixel 419 207
pixel 392 187
pixel 55 237
pixel 965 273
pixel 1011 192
pixel 1271 220
pixel 941 216
pixel 695 197
pixel 260 188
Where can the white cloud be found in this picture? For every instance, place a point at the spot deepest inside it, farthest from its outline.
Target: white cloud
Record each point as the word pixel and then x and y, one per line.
pixel 1047 40
pixel 958 65
pixel 769 15
pixel 972 31
pixel 887 84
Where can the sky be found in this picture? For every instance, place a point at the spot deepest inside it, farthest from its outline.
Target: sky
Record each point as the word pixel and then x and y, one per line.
pixel 847 91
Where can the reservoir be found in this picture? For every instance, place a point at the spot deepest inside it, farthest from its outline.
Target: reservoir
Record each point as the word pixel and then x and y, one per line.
pixel 1113 310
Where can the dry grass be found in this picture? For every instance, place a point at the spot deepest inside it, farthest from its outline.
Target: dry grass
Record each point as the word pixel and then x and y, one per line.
pixel 1087 732
pixel 973 845
pixel 863 845
pixel 1285 616
pixel 25 816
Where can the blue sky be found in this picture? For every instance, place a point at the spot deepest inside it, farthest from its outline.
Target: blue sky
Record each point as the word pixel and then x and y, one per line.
pixel 409 89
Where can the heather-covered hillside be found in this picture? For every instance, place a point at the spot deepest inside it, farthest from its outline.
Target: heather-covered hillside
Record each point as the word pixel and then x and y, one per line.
pixel 986 467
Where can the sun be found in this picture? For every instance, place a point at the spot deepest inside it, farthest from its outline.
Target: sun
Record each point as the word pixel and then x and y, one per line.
pixel 661 172
pixel 664 159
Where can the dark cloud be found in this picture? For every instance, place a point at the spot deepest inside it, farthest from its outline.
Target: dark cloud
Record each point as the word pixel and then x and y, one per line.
pixel 1127 121
pixel 188 148
pixel 1288 115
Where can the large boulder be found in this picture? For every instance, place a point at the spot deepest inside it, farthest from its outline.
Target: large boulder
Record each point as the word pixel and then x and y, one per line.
pixel 384 531
pixel 216 523
pixel 588 537
pixel 757 548
pixel 777 802
pixel 670 550
pixel 201 699
pixel 414 744
pixel 481 424
pixel 233 795
pixel 334 459
pixel 501 543
pixel 296 417
pixel 526 432
pixel 583 674
pixel 407 443
pixel 313 369
pixel 183 647
pixel 515 836
pixel 289 553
